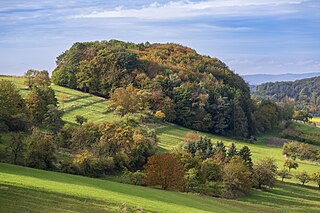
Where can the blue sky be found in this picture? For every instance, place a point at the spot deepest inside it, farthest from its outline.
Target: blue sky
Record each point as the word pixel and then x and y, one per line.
pixel 250 36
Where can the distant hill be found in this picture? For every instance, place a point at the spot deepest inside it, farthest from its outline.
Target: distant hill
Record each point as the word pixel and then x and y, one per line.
pixel 304 93
pixel 257 79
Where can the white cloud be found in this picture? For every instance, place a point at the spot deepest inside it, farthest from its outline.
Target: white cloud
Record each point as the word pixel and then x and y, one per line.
pixel 186 9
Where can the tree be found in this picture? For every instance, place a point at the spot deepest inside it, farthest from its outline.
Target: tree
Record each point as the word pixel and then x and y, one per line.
pixel 41 150
pixel 35 106
pixel 302 115
pixel 42 78
pixel 16 147
pixel 11 101
pixel 220 119
pixel 245 154
pixel 211 171
pixel 52 118
pixel 284 173
pixel 80 119
pixel 304 177
pixel 237 176
pixel 316 177
pixel 62 98
pixel 164 170
pixel 264 173
pixel 290 164
pixel 232 151
pixel 37 78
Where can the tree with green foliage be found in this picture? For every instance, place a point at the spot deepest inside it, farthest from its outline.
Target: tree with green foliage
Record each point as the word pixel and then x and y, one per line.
pixel 245 154
pixel 41 150
pixel 284 173
pixel 316 178
pixel 222 115
pixel 37 78
pixel 16 147
pixel 236 177
pixel 80 119
pixel 35 107
pixel 290 164
pixel 52 118
pixel 264 173
pixel 232 151
pixel 302 115
pixel 11 102
pixel 303 177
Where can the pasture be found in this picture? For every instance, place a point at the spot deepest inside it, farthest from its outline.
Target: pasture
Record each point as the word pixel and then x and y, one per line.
pixel 31 190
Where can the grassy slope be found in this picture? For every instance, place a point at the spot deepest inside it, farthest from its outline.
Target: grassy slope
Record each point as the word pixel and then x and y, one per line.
pixel 171 135
pixel 64 193
pixel 76 102
pixel 72 193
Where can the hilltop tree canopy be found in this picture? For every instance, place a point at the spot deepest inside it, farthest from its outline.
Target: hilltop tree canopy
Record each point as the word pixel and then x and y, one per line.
pixel 187 88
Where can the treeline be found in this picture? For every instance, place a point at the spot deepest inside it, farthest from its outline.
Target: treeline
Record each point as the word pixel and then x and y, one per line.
pixel 305 93
pixel 169 81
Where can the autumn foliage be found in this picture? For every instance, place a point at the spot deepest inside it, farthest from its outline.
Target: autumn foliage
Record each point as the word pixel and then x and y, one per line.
pixel 164 170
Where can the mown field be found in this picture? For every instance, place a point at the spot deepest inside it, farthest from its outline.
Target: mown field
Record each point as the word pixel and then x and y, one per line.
pixel 30 190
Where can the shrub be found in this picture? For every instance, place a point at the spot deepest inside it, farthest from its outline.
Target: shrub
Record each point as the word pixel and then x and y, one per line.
pixel 135 178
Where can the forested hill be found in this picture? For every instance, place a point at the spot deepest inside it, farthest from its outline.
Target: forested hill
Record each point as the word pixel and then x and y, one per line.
pixel 304 93
pixel 170 81
pixel 256 79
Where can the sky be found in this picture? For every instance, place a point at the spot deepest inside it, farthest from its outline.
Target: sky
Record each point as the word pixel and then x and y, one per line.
pixel 250 36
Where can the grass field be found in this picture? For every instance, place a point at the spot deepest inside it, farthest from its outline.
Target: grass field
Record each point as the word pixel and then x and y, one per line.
pixel 30 190
pixel 76 102
pixel 172 135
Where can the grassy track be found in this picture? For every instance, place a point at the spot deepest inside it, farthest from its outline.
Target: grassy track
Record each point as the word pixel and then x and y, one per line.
pixel 30 190
pixel 76 102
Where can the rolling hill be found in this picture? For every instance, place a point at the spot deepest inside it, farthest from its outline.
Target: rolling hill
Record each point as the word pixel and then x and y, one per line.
pixel 256 79
pixel 68 193
pixel 304 93
pixel 170 135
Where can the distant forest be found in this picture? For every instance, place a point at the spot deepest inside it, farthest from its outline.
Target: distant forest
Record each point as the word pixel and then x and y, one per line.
pixel 304 94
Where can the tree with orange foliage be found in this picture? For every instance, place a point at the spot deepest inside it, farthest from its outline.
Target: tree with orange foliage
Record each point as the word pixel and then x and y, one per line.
pixel 164 170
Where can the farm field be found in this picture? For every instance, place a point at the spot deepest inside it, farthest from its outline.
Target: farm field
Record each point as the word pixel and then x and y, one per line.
pixel 20 187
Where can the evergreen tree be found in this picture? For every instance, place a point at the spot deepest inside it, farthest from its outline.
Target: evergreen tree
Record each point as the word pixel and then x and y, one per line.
pixel 232 151
pixel 245 154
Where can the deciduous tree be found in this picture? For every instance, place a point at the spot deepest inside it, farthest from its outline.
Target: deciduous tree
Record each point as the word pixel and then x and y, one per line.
pixel 164 170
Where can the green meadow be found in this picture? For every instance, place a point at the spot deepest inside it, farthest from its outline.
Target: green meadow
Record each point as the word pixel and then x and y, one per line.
pixel 31 190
